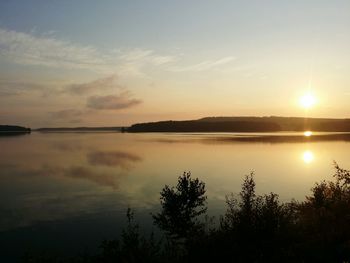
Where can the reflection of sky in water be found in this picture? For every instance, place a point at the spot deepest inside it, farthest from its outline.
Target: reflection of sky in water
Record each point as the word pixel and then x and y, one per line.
pixel 55 177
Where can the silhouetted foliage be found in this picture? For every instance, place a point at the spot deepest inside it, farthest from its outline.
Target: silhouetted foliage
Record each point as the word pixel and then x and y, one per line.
pixel 255 228
pixel 324 219
pixel 255 225
pixel 181 207
pixel 132 247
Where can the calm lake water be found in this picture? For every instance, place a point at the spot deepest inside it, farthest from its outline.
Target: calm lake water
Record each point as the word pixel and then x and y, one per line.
pixel 68 191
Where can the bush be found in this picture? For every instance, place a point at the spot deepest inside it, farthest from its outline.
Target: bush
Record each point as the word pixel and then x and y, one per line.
pixel 132 248
pixel 257 227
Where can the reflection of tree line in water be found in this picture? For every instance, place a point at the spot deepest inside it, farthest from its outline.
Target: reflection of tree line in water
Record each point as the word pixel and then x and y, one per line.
pixel 255 228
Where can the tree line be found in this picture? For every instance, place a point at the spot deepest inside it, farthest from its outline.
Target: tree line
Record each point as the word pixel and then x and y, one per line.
pixel 254 228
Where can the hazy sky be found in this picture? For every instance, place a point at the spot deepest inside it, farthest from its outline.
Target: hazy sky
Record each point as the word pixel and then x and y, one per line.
pixel 76 63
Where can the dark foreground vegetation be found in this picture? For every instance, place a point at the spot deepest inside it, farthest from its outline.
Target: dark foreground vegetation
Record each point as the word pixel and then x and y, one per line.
pixel 245 124
pixel 255 228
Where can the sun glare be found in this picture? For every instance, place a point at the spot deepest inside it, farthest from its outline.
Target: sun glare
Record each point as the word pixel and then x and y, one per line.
pixel 307 101
pixel 308 157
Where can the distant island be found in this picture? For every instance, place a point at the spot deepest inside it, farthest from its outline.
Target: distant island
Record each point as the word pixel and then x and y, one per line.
pixel 245 124
pixel 82 129
pixel 13 130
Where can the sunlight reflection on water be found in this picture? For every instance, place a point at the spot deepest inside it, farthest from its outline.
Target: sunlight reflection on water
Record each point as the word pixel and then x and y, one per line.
pixel 307 133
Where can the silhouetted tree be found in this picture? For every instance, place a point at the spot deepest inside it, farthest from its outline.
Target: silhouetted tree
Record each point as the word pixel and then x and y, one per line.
pixel 324 220
pixel 181 207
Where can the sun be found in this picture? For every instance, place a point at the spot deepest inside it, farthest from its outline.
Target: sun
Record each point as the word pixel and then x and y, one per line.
pixel 307 101
pixel 308 157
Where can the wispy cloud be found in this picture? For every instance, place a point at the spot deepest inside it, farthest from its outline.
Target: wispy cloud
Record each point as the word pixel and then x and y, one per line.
pixel 118 97
pixel 145 56
pixel 205 65
pixel 46 50
pixel 136 61
pixel 106 83
pixel 112 102
pixel 49 51
pixel 18 87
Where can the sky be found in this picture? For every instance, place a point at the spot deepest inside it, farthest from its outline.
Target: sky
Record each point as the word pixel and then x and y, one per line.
pixel 115 63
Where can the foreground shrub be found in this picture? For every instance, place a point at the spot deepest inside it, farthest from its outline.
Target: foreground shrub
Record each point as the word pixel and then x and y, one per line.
pixel 324 220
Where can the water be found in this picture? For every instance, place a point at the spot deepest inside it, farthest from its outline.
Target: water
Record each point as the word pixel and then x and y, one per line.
pixel 68 191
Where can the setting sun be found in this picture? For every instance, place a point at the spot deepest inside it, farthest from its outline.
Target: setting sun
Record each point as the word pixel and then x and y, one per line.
pixel 307 101
pixel 308 157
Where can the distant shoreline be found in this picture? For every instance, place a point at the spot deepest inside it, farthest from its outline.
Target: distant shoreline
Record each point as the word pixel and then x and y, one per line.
pixel 245 124
pixel 8 130
pixel 212 125
pixel 81 129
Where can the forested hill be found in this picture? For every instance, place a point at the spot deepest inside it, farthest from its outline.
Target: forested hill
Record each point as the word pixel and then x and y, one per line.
pixel 200 126
pixel 245 124
pixel 13 129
